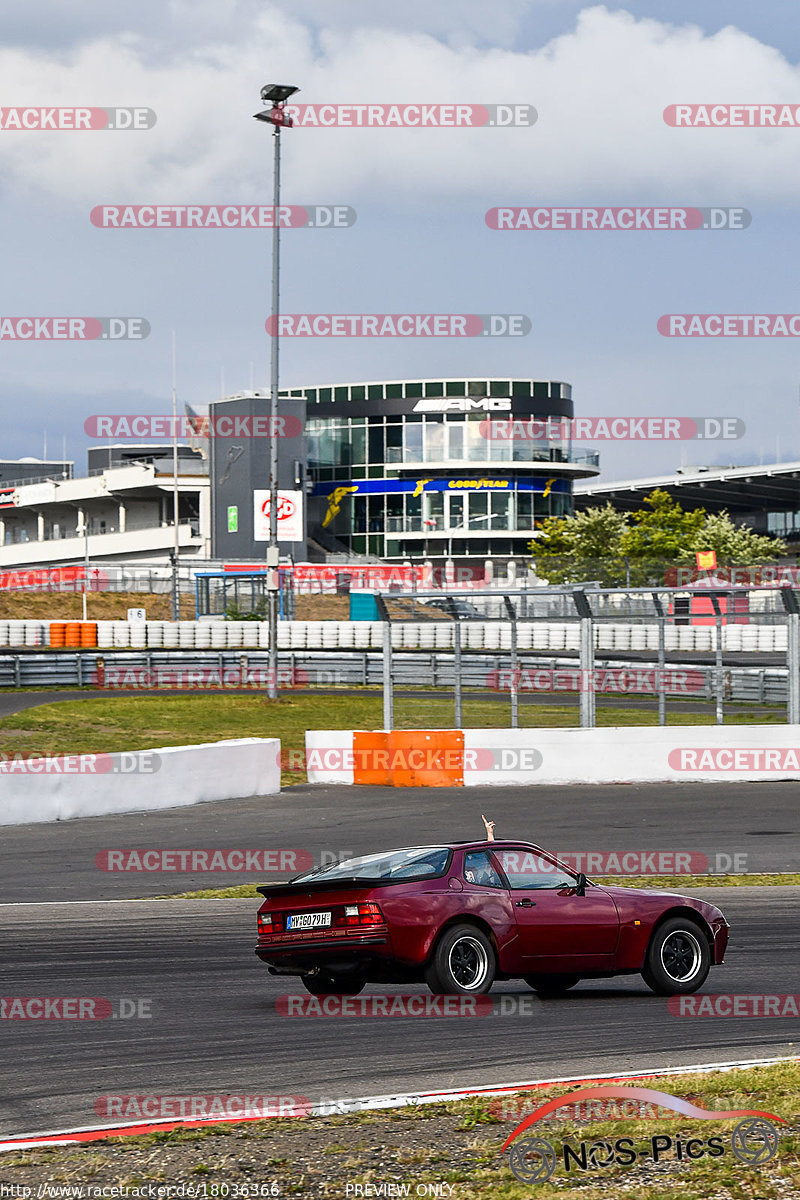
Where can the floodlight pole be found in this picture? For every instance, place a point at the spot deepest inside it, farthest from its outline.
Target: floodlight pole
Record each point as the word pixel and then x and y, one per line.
pixel 277 95
pixel 273 552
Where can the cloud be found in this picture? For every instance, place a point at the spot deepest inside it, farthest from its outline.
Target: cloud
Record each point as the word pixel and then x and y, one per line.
pixel 600 90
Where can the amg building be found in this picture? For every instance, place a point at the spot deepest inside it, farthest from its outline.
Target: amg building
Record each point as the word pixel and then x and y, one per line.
pixel 410 468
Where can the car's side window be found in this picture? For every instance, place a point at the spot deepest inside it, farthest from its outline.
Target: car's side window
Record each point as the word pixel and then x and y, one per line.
pixel 478 869
pixel 525 870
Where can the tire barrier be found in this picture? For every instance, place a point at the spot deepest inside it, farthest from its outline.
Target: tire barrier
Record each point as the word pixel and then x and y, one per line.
pixel 406 635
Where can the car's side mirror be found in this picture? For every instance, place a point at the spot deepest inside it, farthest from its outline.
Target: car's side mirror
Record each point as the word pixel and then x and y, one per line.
pixel 580 884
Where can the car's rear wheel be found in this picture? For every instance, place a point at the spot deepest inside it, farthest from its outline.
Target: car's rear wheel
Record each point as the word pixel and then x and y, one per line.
pixel 463 963
pixel 551 985
pixel 678 958
pixel 332 983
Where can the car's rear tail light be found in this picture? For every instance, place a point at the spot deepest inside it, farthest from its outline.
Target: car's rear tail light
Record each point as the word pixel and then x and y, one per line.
pixel 265 923
pixel 365 913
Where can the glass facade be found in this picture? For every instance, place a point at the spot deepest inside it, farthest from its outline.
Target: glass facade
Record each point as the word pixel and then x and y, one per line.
pixel 408 469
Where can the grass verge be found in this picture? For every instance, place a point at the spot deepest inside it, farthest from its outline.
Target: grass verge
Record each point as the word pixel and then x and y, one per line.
pixel 457 1144
pixel 681 883
pixel 99 725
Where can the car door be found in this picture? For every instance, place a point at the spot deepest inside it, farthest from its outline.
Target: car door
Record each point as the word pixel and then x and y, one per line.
pixel 554 922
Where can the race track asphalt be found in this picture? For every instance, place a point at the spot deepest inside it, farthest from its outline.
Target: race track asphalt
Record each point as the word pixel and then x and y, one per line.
pixel 57 861
pixel 214 1026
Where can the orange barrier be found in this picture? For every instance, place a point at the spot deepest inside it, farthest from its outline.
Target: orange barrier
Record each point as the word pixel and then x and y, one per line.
pixel 58 630
pixel 88 633
pixel 409 757
pixel 72 634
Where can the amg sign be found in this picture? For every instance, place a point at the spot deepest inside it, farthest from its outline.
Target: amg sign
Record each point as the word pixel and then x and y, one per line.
pixel 463 404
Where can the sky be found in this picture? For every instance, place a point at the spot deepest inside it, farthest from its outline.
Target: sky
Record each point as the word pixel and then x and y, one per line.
pixel 599 77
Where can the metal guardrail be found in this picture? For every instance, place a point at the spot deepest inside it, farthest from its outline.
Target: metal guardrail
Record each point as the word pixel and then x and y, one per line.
pixel 363 668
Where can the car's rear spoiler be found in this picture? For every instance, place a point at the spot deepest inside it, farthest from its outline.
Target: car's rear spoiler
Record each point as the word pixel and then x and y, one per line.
pixel 319 885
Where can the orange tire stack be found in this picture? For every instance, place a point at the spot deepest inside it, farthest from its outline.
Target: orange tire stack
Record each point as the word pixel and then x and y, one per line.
pixel 58 630
pixel 88 633
pixel 72 635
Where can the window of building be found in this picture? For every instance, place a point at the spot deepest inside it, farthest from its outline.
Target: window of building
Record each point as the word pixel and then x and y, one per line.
pixel 412 434
pixel 455 388
pixel 358 392
pixel 455 518
pixel 376 454
pixel 434 441
pixel 413 389
pixel 478 510
pixel 455 435
pixel 434 389
pixel 394 443
pixel 375 391
pixel 433 511
pixel 524 510
pixel 499 387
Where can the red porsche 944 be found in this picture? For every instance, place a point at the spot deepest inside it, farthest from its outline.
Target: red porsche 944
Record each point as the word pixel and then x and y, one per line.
pixel 461 916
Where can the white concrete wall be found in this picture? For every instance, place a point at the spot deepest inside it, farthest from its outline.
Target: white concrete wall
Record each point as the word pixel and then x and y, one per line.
pixel 329 755
pixel 140 781
pixel 639 754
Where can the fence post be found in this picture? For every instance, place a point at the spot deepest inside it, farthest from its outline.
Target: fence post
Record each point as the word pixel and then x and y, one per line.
pixel 388 697
pixel 457 673
pixel 662 695
pixel 792 655
pixel 719 676
pixel 512 616
pixel 586 694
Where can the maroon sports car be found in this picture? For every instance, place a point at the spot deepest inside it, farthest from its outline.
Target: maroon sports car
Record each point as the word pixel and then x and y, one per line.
pixel 461 916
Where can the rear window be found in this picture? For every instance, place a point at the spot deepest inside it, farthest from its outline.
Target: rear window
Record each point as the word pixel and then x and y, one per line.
pixel 419 863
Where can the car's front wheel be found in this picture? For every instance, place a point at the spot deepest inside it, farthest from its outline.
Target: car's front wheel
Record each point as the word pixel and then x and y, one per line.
pixel 331 983
pixel 463 963
pixel 551 985
pixel 678 958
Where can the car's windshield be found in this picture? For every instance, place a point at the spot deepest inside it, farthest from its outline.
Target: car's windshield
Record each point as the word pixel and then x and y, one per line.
pixel 396 864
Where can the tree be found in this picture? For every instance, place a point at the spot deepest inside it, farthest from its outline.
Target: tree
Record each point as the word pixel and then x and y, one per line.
pixel 659 536
pixel 581 547
pixel 641 547
pixel 735 545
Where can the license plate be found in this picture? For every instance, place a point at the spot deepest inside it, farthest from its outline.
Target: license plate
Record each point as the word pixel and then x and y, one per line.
pixel 308 920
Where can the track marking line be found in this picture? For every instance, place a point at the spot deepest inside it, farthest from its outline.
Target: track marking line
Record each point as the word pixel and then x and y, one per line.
pixel 94 1133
